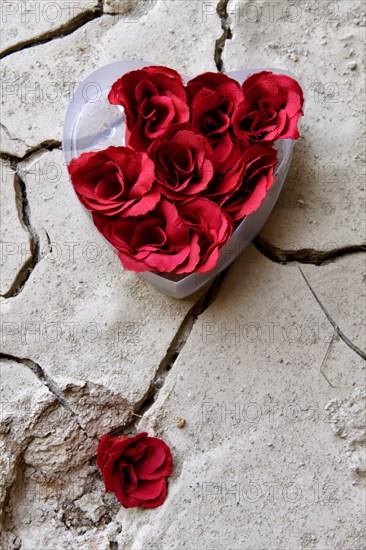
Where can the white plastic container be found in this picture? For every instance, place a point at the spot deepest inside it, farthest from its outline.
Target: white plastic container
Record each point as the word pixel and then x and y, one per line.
pixel 92 124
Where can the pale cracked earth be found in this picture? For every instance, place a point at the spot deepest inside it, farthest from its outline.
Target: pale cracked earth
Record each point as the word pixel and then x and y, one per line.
pixel 258 383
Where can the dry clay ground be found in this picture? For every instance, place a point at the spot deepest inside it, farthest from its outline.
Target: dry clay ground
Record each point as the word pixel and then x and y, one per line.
pixel 258 384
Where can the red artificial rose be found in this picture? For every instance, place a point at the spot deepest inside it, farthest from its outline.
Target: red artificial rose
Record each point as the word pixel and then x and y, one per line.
pixel 159 241
pixel 245 187
pixel 117 180
pixel 169 239
pixel 135 469
pixel 152 98
pixel 213 97
pixel 271 108
pixel 213 228
pixel 182 159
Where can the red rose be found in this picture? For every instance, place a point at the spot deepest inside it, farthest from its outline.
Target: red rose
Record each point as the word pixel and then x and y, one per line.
pixel 182 158
pixel 135 469
pixel 271 108
pixel 160 241
pixel 213 97
pixel 152 98
pixel 117 180
pixel 246 185
pixel 169 239
pixel 213 228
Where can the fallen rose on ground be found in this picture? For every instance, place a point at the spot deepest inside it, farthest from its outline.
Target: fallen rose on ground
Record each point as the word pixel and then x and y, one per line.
pixel 135 469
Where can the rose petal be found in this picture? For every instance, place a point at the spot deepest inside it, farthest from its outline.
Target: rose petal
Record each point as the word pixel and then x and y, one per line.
pixel 149 490
pixel 156 502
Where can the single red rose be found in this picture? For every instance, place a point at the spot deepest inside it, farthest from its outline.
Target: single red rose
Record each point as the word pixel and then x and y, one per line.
pixel 212 226
pixel 152 98
pixel 245 187
pixel 213 98
pixel 183 162
pixel 135 469
pixel 170 239
pixel 271 108
pixel 159 241
pixel 117 180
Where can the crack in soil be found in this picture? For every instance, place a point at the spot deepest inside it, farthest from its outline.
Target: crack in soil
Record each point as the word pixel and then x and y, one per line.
pixel 324 360
pixel 24 217
pixel 176 346
pixel 303 255
pixel 48 145
pixel 64 30
pixel 340 333
pixel 221 10
pixel 39 372
pixel 23 208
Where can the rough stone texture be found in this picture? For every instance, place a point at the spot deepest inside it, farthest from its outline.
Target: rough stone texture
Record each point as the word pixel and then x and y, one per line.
pixel 258 440
pixel 15 240
pixel 27 21
pixel 36 93
pixel 44 457
pixel 22 396
pixel 261 401
pixel 323 200
pixel 340 287
pixel 134 8
pixel 349 423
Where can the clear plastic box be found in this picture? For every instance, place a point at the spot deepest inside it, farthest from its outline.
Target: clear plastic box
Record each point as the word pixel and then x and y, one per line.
pixel 92 124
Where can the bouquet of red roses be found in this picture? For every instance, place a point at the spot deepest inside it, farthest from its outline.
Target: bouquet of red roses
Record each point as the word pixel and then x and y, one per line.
pixel 198 159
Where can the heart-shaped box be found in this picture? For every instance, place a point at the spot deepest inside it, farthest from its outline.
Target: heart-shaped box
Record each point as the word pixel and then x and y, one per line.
pixel 92 124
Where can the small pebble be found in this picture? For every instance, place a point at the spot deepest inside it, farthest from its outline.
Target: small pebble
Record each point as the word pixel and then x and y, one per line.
pixel 180 422
pixel 293 57
pixel 352 66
